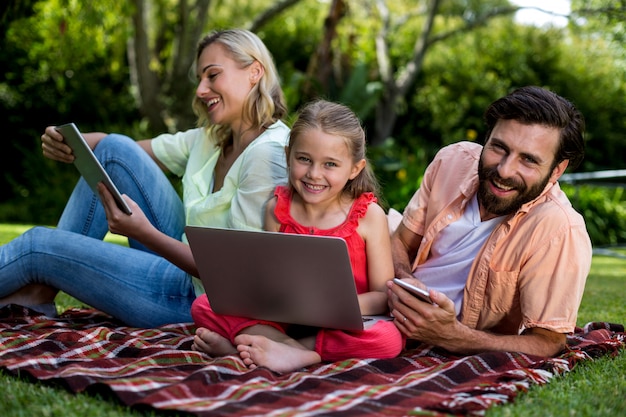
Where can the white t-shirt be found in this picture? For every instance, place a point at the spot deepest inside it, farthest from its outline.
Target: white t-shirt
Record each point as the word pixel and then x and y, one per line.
pixel 453 252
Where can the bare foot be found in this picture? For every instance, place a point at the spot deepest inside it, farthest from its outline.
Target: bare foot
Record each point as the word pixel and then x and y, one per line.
pixel 279 357
pixel 31 294
pixel 212 343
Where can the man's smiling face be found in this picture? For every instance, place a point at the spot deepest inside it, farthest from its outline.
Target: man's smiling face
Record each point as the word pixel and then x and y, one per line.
pixel 516 164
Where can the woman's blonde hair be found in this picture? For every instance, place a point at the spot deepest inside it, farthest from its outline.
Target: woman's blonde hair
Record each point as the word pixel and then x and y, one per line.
pixel 265 103
pixel 337 119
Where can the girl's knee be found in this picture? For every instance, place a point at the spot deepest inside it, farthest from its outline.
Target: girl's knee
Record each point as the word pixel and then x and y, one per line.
pixel 390 339
pixel 200 308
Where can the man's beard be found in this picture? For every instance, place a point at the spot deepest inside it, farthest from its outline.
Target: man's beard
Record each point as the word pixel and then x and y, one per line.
pixel 504 206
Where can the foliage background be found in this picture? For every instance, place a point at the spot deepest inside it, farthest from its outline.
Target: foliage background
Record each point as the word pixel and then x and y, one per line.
pixel 418 73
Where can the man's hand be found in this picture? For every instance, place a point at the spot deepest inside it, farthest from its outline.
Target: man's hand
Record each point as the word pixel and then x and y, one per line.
pixel 416 319
pixel 437 325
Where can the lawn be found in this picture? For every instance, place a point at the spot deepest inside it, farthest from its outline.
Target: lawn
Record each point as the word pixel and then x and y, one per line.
pixel 596 388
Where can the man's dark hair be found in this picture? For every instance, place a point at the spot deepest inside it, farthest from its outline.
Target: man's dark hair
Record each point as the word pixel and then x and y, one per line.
pixel 536 105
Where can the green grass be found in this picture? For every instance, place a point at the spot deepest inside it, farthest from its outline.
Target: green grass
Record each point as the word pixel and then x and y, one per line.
pixel 596 388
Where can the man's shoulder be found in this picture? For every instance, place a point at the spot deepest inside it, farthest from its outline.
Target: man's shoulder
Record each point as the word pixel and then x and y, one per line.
pixel 460 150
pixel 553 208
pixel 461 157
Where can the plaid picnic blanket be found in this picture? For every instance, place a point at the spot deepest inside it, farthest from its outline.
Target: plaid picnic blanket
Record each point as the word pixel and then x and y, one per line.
pixel 154 367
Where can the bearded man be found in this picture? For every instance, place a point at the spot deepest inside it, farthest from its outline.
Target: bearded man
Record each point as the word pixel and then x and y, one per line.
pixel 494 238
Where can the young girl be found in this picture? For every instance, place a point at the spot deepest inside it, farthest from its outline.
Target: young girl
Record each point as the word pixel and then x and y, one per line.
pixel 331 192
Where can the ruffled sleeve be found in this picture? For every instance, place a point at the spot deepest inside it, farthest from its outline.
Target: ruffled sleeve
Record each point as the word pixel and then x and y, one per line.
pixel 359 208
pixel 347 230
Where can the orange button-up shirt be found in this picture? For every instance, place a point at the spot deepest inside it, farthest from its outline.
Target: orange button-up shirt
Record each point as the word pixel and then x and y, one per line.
pixel 532 269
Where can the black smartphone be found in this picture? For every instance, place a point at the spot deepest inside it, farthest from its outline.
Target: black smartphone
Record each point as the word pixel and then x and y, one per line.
pixel 416 291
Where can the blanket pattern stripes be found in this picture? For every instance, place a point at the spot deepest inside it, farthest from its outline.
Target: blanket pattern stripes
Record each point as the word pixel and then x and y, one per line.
pixel 85 349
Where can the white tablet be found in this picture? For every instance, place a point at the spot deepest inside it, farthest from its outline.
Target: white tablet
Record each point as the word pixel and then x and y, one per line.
pixel 88 165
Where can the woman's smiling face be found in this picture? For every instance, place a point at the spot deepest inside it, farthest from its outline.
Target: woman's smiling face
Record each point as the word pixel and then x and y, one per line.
pixel 223 85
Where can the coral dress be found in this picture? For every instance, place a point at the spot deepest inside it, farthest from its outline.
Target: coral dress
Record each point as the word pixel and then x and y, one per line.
pixel 382 340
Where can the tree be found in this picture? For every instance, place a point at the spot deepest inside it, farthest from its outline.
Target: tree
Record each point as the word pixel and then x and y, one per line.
pixel 160 57
pixel 400 78
pixel 163 99
pixel 418 73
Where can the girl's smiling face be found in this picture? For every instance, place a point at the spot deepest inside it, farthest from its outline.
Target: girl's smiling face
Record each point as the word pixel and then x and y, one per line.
pixel 320 165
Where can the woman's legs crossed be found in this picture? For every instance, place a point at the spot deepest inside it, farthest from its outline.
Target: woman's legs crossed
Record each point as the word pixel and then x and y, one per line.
pixel 139 288
pixel 135 174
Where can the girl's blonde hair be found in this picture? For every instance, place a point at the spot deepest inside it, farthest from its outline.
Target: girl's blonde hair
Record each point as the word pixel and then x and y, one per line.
pixel 337 119
pixel 265 103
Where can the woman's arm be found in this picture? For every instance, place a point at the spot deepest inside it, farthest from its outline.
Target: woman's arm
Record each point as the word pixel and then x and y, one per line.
pixel 54 147
pixel 138 227
pixel 146 145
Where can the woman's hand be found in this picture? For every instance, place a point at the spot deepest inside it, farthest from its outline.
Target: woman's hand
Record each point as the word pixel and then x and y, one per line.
pixel 135 226
pixel 54 147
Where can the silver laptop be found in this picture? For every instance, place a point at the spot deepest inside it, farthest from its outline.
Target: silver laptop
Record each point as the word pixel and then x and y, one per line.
pixel 287 278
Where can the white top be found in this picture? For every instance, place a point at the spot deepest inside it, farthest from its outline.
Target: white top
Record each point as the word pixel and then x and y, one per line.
pixel 248 184
pixel 453 253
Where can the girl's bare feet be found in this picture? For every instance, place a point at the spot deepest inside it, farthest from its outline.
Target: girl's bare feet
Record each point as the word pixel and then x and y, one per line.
pixel 279 357
pixel 212 343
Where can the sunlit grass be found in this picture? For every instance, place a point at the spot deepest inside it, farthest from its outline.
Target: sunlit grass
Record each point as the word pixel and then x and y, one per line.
pixel 63 300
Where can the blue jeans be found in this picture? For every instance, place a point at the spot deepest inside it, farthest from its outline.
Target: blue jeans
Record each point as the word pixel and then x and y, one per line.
pixel 130 283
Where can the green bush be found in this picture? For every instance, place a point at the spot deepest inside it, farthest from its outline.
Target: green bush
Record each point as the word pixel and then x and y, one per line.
pixel 604 210
pixel 399 171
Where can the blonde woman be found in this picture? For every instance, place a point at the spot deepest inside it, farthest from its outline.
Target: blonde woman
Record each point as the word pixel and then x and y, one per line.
pixel 229 165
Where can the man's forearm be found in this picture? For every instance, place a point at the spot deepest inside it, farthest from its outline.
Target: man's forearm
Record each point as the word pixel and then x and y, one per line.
pixel 404 247
pixel 401 262
pixel 538 342
pixel 401 270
